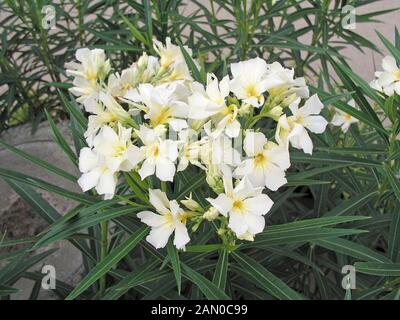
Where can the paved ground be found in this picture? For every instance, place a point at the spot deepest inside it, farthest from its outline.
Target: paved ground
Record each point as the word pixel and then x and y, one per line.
pixel 19 220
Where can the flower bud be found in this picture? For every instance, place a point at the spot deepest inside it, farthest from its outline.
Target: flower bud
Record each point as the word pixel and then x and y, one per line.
pixel 142 62
pixel 275 113
pixel 245 109
pixel 246 236
pixel 215 182
pixel 191 204
pixel 211 214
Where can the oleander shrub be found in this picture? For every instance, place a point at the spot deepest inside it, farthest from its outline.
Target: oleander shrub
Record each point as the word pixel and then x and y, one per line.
pixel 221 155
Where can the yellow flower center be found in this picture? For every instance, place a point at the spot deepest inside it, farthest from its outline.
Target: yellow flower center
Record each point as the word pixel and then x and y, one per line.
pixel 156 151
pixel 166 59
pixel 347 117
pixel 91 75
pixel 175 75
pixel 238 205
pixel 397 74
pixel 107 117
pixel 168 218
pixel 119 150
pixel 183 217
pixel 228 110
pixel 260 159
pixel 251 90
pixel 299 120
pixel 126 86
pixel 162 117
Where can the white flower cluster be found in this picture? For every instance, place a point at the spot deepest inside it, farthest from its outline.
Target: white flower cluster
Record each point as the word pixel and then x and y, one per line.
pixel 154 119
pixel 388 80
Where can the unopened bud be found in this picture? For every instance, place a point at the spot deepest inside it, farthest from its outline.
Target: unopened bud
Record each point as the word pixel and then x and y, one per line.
pixel 215 182
pixel 142 62
pixel 275 113
pixel 210 214
pixel 246 236
pixel 191 204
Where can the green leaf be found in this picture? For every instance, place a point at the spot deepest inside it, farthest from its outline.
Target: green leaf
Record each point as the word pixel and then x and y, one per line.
pixel 112 259
pixel 392 49
pixel 7 290
pixel 204 248
pixel 38 183
pixel 139 193
pixel 85 222
pixel 143 274
pixel 221 271
pixel 379 269
pixel 322 158
pixel 394 181
pixel 353 80
pixel 176 265
pixel 39 162
pixel 362 115
pixel 209 289
pixel 192 185
pixel 351 249
pixel 34 199
pixel 297 236
pixel 74 112
pixel 135 32
pixel 264 279
pixel 313 223
pixel 12 271
pixel 352 204
pixel 192 66
pixel 148 20
pixel 59 139
pixel 394 237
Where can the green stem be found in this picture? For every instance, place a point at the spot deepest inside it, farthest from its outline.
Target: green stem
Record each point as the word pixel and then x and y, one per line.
pixel 103 254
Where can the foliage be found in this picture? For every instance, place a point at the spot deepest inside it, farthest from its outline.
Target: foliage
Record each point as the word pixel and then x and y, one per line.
pixel 340 207
pixel 32 58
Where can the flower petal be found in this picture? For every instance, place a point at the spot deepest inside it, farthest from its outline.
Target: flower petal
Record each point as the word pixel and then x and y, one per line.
pixel 236 223
pixel 107 183
pixel 148 168
pixel 181 235
pixel 254 142
pixel 165 169
pixel 151 219
pixel 159 236
pixel 159 200
pixel 316 124
pixel 258 205
pixel 222 203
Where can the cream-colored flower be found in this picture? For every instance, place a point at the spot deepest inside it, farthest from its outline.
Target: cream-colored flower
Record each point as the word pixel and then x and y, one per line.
pixel 170 218
pixel 204 103
pixel 93 67
pixel 244 205
pixel 105 111
pixel 388 80
pixel 294 128
pixel 283 87
pixel 249 81
pixel 162 104
pixel 171 58
pixel 112 152
pixel 266 163
pixel 343 119
pixel 158 154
